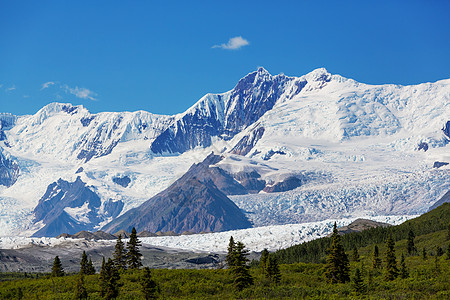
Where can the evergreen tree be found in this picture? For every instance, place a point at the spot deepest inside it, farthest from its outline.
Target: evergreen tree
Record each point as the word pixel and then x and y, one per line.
pixel 237 263
pixel 80 290
pixel 355 255
pixel 358 283
pixel 437 269
pixel 403 270
pixel 391 260
pixel 272 270
pixel 263 261
pixel 84 267
pixel 448 232
pixel 337 266
pixel 120 254
pixel 231 252
pixel 134 255
pixel 57 269
pixel 148 286
pixel 376 258
pixel 424 253
pixel 109 277
pixel 90 268
pixel 102 278
pixel 410 244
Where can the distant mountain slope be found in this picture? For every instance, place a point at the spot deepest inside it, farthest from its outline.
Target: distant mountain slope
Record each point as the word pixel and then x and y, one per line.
pixel 192 203
pixel 295 149
pixel 71 207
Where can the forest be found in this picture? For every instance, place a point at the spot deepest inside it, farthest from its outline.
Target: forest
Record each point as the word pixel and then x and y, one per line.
pixel 408 261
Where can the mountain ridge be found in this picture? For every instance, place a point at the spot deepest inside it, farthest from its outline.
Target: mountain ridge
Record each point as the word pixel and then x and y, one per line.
pixel 308 148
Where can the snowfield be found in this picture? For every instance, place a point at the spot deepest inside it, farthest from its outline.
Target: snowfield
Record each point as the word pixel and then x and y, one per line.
pixel 255 239
pixel 360 150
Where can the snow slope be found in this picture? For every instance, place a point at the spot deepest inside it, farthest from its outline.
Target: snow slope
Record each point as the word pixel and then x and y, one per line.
pixel 255 239
pixel 359 149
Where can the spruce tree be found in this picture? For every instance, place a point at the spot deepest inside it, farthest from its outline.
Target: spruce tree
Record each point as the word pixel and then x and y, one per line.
pixel 410 244
pixel 149 288
pixel 230 258
pixel 90 268
pixel 391 261
pixel 376 258
pixel 273 270
pixel 120 254
pixel 355 255
pixel 57 269
pixel 84 267
pixel 424 253
pixel 80 289
pixel 337 266
pixel 109 277
pixel 237 263
pixel 133 253
pixel 403 270
pixel 102 278
pixel 263 261
pixel 358 283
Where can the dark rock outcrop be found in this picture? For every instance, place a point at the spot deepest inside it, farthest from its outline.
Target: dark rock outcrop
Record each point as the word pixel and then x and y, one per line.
pixel 123 181
pixel 192 203
pixel 423 146
pixel 360 225
pixel 246 144
pixel 251 181
pixel 122 233
pixel 438 164
pixel 446 129
pixel 9 170
pixel 63 197
pixel 146 233
pixel 288 184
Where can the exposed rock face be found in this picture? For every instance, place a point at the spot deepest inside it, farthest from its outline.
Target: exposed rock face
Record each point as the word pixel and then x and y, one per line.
pixel 446 129
pixel 288 184
pixel 123 181
pixel 444 199
pixel 68 207
pixel 360 225
pixel 251 181
pixel 7 121
pixel 193 203
pixel 246 144
pixel 438 164
pixel 98 235
pixel 225 115
pixel 9 170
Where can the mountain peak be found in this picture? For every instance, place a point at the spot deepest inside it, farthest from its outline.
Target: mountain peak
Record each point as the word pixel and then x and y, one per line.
pixel 319 74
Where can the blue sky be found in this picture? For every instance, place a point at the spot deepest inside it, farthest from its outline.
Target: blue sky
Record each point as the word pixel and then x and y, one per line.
pixel 162 56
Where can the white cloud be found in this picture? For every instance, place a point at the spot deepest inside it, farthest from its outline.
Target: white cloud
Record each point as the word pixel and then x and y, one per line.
pixel 10 89
pixel 233 43
pixel 47 85
pixel 82 93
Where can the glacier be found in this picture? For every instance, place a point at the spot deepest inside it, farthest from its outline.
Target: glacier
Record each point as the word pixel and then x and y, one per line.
pixel 358 148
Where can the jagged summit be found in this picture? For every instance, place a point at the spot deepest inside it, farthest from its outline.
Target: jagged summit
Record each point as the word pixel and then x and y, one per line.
pixel 307 148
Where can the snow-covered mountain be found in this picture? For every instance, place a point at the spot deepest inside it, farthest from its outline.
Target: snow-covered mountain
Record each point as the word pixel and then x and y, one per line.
pixel 303 148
